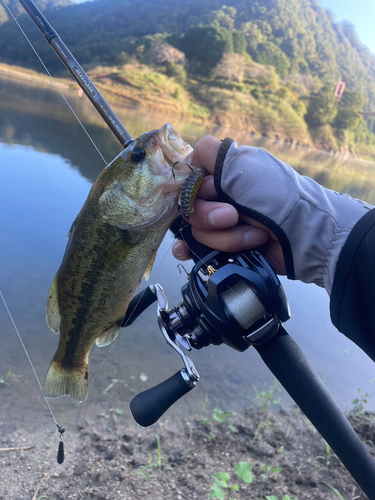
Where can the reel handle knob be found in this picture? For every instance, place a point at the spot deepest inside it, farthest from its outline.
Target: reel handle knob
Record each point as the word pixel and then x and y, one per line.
pixel 148 406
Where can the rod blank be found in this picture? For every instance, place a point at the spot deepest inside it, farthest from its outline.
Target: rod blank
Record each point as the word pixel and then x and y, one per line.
pixel 78 73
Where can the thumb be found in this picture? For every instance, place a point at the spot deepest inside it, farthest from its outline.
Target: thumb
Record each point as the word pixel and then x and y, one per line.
pixel 205 153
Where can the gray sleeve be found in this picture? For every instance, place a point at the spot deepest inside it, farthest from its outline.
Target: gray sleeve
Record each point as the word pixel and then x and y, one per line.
pixel 311 222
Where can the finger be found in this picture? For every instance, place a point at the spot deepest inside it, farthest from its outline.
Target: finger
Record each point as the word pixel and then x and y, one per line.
pixel 205 153
pixel 255 223
pixel 207 190
pixel 181 251
pixel 235 239
pixel 213 215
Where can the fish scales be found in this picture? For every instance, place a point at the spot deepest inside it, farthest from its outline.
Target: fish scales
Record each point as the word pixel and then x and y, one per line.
pixel 112 244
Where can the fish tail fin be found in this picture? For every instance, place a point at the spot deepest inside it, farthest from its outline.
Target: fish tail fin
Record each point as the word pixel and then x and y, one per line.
pixel 61 382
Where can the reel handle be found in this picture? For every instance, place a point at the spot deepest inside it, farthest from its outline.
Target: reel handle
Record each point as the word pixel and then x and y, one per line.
pixel 148 406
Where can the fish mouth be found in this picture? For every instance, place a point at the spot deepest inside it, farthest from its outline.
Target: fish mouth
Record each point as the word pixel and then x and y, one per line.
pixel 175 151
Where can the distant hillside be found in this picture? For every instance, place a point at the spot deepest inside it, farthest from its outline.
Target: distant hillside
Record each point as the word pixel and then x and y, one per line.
pixel 17 8
pixel 283 56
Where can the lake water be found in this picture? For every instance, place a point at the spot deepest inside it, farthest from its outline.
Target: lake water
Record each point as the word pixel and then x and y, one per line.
pixel 47 166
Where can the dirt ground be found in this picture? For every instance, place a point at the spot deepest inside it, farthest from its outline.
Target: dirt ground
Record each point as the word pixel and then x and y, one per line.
pixel 113 458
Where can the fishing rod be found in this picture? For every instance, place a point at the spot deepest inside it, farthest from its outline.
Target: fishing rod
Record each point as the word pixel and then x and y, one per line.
pixel 78 73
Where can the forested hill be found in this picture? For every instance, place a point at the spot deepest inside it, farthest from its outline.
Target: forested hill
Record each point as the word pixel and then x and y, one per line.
pixel 296 41
pixel 17 9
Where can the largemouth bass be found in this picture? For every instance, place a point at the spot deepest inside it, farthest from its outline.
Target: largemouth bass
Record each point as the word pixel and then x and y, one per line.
pixel 112 245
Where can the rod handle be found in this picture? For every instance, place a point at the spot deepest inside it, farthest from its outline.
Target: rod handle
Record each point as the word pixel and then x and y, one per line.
pixel 148 406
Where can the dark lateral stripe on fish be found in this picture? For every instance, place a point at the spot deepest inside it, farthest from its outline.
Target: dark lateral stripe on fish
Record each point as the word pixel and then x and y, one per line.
pixel 99 264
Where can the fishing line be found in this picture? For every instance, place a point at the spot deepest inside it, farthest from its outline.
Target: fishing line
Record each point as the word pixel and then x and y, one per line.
pixel 61 430
pixel 60 454
pixel 55 84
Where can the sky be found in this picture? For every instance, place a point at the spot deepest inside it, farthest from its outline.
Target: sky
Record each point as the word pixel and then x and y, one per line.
pixel 361 13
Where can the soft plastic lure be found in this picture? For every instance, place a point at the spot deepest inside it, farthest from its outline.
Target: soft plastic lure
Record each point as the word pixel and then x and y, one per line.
pixel 188 193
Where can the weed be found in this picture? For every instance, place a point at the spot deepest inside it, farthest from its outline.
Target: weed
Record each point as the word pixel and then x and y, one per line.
pixel 120 413
pixel 263 427
pixel 335 490
pixel 220 487
pixel 285 497
pixel 288 430
pixel 40 465
pixel 270 470
pixel 265 398
pixel 204 405
pixel 326 459
pixel 160 458
pixel 232 427
pixel 244 472
pixel 360 402
pixel 219 415
pixel 114 381
pixel 147 471
pixel 104 419
pixel 9 377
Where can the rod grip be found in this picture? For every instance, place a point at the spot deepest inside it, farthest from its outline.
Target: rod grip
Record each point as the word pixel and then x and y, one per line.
pixel 289 365
pixel 148 406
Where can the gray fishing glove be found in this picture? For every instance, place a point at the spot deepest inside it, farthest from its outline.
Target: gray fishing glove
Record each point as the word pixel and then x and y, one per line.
pixel 311 222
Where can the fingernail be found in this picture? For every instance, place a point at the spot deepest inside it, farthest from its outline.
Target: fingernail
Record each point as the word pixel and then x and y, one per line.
pixel 222 217
pixel 254 237
pixel 179 251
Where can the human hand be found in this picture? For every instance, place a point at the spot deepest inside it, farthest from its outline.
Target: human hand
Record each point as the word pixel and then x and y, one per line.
pixel 297 224
pixel 219 225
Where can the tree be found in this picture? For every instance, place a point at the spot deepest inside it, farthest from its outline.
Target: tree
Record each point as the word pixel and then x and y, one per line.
pixel 224 18
pixel 348 116
pixel 322 107
pixel 269 54
pixel 206 45
pixel 253 36
pixel 239 42
pixel 162 52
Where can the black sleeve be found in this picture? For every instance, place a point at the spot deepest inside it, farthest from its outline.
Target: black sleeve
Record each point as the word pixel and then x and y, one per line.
pixel 353 292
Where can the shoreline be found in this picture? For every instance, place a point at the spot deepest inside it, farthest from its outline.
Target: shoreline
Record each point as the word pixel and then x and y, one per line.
pixel 119 95
pixel 111 457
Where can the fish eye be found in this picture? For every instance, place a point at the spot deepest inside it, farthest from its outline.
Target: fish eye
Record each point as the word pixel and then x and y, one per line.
pixel 137 155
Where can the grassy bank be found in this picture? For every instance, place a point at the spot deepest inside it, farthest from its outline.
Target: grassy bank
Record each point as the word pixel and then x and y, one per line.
pixel 260 108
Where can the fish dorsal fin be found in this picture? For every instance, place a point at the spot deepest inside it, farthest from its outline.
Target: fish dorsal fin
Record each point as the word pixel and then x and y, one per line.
pixel 53 316
pixel 71 230
pixel 149 266
pixel 108 336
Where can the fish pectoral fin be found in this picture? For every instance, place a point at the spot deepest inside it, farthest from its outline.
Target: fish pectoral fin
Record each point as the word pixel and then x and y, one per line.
pixel 108 336
pixel 53 316
pixel 149 266
pixel 117 209
pixel 62 382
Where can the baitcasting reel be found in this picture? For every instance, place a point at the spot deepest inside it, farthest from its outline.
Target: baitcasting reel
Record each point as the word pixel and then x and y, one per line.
pixel 230 298
pixel 237 299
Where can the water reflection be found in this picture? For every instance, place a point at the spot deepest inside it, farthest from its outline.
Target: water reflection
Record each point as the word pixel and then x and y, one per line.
pixel 47 166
